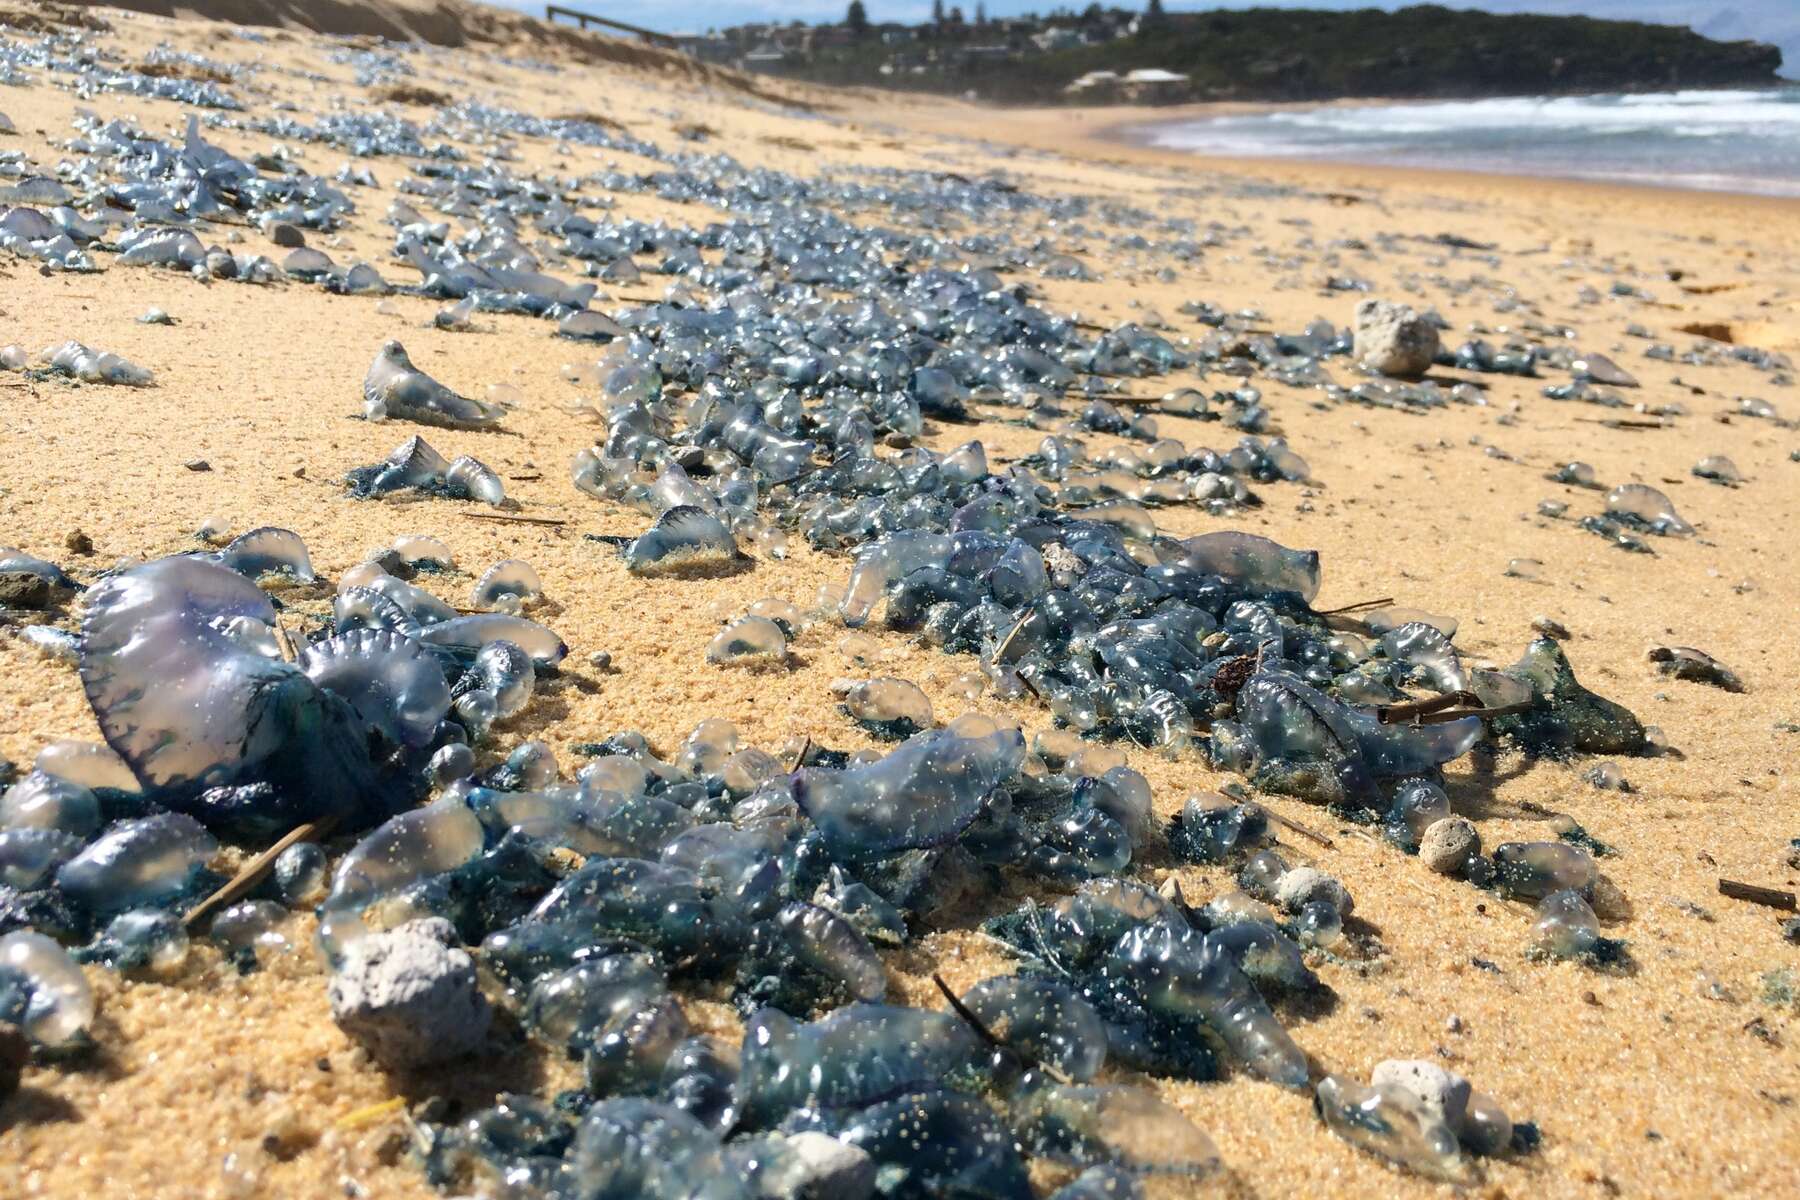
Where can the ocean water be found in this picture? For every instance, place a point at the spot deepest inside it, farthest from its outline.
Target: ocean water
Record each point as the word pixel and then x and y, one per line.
pixel 1739 141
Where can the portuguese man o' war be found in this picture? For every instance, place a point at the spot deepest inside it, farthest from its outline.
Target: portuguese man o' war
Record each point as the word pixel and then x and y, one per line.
pixel 394 388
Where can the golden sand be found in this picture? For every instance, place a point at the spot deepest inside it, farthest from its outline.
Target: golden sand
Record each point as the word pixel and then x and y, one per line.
pixel 1677 1079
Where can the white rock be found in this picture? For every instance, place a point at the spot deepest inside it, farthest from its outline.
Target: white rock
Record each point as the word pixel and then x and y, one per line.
pixel 1303 885
pixel 1442 1093
pixel 1394 340
pixel 1448 845
pixel 820 1168
pixel 408 998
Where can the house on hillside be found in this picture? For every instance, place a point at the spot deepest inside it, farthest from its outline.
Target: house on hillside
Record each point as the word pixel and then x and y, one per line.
pixel 1153 85
pixel 1056 38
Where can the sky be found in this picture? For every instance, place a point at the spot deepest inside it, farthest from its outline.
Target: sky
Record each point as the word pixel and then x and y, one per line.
pixel 1776 21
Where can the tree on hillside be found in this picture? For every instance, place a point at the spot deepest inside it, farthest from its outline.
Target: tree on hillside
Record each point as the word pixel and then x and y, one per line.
pixel 857 18
pixel 981 14
pixel 1154 15
pixel 937 12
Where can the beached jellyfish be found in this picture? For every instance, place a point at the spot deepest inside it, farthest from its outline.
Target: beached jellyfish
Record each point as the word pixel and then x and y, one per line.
pixel 935 1143
pixel 589 326
pixel 394 388
pixel 1532 870
pixel 451 763
pixel 422 552
pixel 1389 1122
pixel 473 479
pixel 301 874
pixel 406 849
pixel 87 763
pixel 497 686
pixel 30 856
pixel 530 767
pixel 455 317
pixel 1529 569
pixel 307 264
pixel 251 929
pixel 1597 368
pixel 1645 507
pixel 889 708
pixel 1127 1127
pixel 1318 923
pixel 1043 1021
pixel 1212 828
pixel 748 641
pixel 44 801
pixel 683 537
pixel 1695 666
pixel 640 1148
pixel 1254 563
pixel 415 603
pixel 859 649
pixel 1719 469
pixel 806 958
pixel 268 551
pixel 360 280
pixel 887 560
pixel 923 794
pixel 512 578
pixel 1575 473
pixel 1295 740
pixel 466 635
pixel 96 366
pixel 633 1054
pixel 858 1055
pixel 1426 656
pixel 149 862
pixel 1263 953
pixel 415 466
pixel 1566 926
pixel 393 683
pixel 1418 803
pixel 664 907
pixel 1186 980
pixel 42 991
pixel 144 939
pixel 575 1008
pixel 1562 715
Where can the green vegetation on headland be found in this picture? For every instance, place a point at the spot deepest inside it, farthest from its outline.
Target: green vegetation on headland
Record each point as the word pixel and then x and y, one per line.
pixel 1260 54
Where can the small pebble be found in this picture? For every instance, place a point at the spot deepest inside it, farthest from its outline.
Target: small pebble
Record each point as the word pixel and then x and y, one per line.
pixel 1449 844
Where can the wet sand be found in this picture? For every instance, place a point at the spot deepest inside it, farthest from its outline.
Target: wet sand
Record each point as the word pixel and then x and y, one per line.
pixel 1676 1079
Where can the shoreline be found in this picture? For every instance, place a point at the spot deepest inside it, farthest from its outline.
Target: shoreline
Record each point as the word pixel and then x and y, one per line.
pixel 1095 134
pixel 1143 133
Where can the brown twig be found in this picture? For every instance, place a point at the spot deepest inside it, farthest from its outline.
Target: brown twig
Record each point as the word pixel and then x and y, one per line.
pixel 513 519
pixel 1624 423
pixel 800 754
pixel 1296 827
pixel 1350 608
pixel 251 873
pixel 1772 897
pixel 289 651
pixel 1000 651
pixel 1395 714
pixel 962 1010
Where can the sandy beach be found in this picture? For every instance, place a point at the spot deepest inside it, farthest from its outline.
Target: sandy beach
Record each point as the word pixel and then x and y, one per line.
pixel 1680 1077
